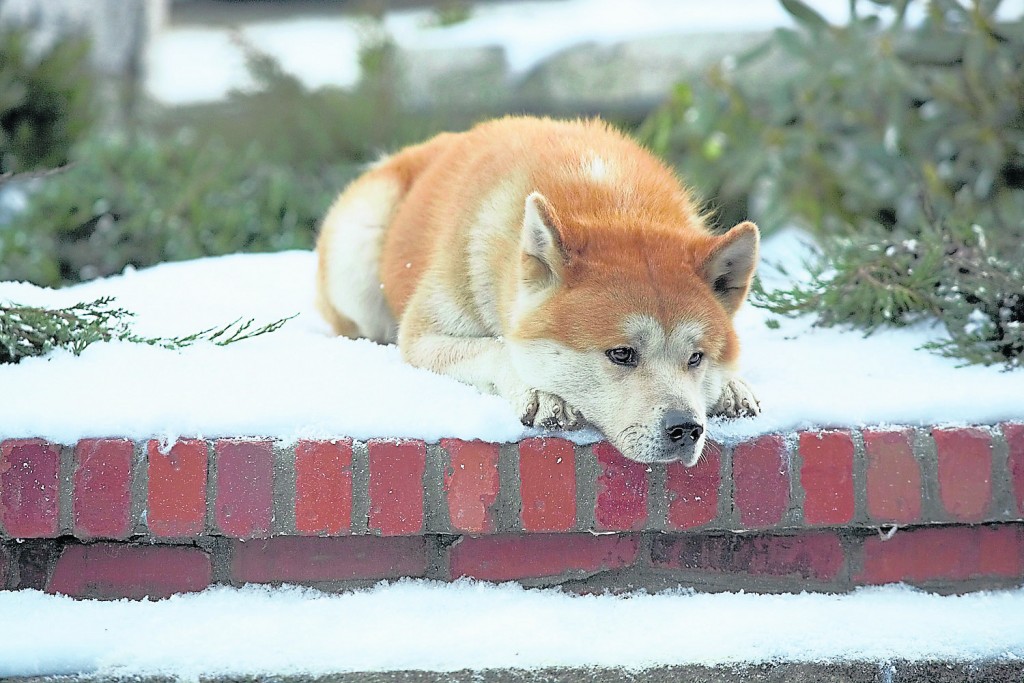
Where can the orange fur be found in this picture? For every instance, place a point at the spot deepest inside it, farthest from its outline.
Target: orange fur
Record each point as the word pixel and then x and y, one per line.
pixel 517 255
pixel 634 244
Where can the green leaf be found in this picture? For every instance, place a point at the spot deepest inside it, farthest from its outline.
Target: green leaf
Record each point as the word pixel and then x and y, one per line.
pixel 792 42
pixel 754 54
pixel 805 15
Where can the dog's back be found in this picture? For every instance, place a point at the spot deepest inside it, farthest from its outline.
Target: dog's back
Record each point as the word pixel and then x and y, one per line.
pixel 453 207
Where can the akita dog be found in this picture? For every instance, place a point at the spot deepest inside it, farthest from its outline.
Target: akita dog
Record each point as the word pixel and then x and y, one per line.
pixel 556 264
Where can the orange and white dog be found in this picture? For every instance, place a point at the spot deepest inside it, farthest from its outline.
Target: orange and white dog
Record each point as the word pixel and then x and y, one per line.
pixel 556 264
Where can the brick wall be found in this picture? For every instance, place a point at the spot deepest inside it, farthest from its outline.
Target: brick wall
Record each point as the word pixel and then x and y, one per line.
pixel 814 510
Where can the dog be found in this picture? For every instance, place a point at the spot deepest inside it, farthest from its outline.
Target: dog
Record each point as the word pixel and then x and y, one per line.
pixel 557 264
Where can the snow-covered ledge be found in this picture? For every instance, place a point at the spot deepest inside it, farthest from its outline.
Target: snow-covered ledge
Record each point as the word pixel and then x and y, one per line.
pixel 299 457
pixel 822 510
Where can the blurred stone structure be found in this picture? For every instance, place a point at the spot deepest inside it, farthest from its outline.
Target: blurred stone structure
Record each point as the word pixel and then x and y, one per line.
pixel 624 78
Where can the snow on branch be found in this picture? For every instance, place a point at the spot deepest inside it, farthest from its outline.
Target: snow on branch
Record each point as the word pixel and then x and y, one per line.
pixel 34 331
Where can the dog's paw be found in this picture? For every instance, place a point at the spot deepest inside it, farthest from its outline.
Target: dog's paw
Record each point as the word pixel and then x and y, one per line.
pixel 547 411
pixel 737 400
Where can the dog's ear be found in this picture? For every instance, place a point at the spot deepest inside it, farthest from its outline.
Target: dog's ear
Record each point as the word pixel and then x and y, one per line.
pixel 543 253
pixel 730 263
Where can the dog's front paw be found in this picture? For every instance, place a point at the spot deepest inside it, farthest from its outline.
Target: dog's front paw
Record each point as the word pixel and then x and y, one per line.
pixel 547 411
pixel 737 400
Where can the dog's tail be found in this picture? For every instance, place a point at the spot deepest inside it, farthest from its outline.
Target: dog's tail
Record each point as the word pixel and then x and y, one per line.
pixel 349 293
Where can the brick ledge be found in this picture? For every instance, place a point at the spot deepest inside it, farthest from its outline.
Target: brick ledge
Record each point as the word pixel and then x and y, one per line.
pixel 811 506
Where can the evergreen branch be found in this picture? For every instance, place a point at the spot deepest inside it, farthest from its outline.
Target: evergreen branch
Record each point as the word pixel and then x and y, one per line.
pixel 34 331
pixel 242 333
pixel 948 274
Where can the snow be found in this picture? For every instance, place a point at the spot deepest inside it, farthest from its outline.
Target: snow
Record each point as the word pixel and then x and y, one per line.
pixel 297 382
pixel 201 64
pixel 415 624
pixel 301 382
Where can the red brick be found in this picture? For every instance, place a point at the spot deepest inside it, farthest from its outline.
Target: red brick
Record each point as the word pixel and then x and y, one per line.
pixel 693 491
pixel 1014 434
pixel 814 555
pixel 245 487
pixel 177 489
pixel 1000 550
pixel 826 475
pixel 29 496
pixel 472 485
pixel 954 553
pixel 121 570
pixel 893 476
pixel 621 503
pixel 505 558
pixel 547 484
pixel 347 558
pixel 760 471
pixel 102 501
pixel 965 472
pixel 323 487
pixel 396 486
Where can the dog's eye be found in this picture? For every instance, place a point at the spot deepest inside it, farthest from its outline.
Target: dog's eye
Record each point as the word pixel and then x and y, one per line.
pixel 622 355
pixel 695 359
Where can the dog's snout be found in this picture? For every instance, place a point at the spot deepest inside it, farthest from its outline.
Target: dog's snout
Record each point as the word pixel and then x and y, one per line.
pixel 680 427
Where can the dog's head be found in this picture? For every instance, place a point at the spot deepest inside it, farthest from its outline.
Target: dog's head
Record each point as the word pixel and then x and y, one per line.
pixel 631 327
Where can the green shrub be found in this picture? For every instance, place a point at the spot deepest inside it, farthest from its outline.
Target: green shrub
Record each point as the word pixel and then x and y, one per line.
pixel 873 136
pixel 143 200
pixel 46 100
pixel 948 274
pixel 256 173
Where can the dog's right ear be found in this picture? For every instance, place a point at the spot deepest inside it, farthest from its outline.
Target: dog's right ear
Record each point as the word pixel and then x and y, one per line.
pixel 542 251
pixel 729 266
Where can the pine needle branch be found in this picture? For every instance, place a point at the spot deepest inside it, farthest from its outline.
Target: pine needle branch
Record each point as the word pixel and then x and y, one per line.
pixel 948 275
pixel 35 331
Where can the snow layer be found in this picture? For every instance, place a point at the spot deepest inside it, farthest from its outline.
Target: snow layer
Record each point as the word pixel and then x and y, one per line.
pixel 300 382
pixel 446 627
pixel 201 64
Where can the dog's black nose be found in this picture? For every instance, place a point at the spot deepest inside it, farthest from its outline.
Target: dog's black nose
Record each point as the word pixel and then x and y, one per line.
pixel 680 427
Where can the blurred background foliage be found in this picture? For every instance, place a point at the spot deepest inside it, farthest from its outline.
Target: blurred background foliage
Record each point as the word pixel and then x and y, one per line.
pixel 901 149
pixel 860 127
pixel 46 102
pixel 899 145
pixel 255 173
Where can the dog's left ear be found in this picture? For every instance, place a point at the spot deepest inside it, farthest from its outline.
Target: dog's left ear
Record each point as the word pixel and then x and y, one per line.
pixel 542 251
pixel 729 265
